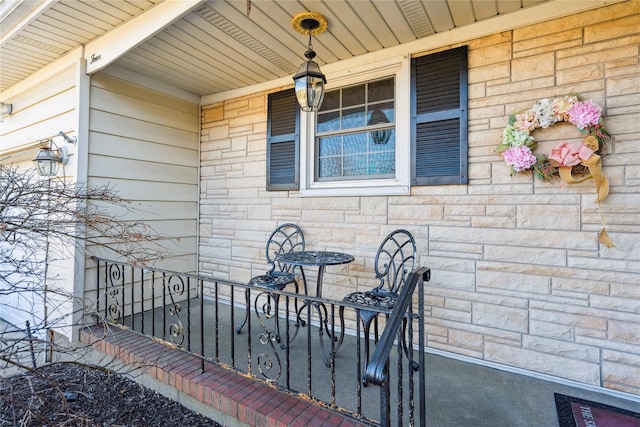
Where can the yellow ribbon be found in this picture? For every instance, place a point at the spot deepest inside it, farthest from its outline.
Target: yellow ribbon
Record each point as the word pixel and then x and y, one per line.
pixel 594 164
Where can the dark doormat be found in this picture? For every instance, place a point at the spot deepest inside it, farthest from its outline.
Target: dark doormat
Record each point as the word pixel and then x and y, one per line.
pixel 574 412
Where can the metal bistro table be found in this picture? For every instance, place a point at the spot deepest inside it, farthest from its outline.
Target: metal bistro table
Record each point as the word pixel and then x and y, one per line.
pixel 320 259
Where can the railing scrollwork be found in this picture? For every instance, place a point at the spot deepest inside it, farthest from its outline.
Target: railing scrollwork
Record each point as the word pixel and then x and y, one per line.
pixel 177 307
pixel 269 365
pixel 114 275
pixel 175 287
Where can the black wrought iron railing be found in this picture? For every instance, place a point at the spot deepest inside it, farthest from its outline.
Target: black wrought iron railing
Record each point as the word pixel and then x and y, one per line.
pixel 399 333
pixel 293 349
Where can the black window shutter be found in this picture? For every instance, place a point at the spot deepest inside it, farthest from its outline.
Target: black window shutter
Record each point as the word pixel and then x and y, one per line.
pixel 439 118
pixel 283 144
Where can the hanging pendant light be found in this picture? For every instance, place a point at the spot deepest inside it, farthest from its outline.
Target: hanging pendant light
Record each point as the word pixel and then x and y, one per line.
pixel 309 80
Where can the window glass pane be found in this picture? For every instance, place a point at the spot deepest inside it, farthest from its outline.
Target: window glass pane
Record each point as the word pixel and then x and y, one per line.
pixel 381 90
pixel 382 163
pixel 355 143
pixel 328 121
pixel 382 140
pixel 331 146
pixel 330 167
pixel 331 100
pixel 353 117
pixel 355 165
pixel 380 113
pixel 353 95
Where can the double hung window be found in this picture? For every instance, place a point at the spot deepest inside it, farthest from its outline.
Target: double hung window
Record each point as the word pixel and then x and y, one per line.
pixel 355 132
pixel 378 132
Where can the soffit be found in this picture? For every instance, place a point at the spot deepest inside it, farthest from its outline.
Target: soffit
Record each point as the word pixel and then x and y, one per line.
pixel 224 45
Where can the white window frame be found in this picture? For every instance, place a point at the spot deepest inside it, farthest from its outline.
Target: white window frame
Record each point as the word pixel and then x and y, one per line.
pixel 400 68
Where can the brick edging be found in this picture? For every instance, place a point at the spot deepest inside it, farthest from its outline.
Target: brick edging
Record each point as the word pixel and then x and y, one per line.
pixel 225 391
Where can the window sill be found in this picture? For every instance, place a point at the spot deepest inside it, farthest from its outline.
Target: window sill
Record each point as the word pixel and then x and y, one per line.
pixel 356 191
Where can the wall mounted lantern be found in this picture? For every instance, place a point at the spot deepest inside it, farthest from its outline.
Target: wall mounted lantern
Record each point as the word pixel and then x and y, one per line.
pixel 50 156
pixel 309 80
pixel 5 110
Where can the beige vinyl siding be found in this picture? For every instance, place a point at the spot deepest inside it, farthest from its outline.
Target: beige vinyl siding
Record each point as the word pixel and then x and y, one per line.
pixel 144 145
pixel 40 111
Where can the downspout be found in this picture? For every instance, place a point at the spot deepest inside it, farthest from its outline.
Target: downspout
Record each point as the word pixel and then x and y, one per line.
pixel 199 186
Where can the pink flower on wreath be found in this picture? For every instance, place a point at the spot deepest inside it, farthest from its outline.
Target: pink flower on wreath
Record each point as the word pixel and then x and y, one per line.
pixel 519 158
pixel 561 106
pixel 585 114
pixel 525 121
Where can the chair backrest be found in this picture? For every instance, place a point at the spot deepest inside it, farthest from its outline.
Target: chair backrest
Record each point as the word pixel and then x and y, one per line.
pixel 284 239
pixel 395 259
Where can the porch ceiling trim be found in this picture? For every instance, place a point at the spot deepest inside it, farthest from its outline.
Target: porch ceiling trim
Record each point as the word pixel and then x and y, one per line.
pixel 116 43
pixel 32 16
pixel 534 15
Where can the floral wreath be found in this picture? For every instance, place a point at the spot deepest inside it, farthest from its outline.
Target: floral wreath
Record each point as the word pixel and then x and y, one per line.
pixel 582 157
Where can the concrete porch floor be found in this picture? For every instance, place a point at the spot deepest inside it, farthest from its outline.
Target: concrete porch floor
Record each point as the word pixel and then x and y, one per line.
pixel 459 393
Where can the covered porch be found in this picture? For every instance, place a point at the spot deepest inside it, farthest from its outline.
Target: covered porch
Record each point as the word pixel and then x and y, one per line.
pixel 521 283
pixel 188 347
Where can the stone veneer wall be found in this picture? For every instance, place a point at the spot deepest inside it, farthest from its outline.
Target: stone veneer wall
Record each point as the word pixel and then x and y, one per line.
pixel 518 276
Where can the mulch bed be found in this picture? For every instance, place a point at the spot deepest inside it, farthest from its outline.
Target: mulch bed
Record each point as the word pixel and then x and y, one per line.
pixel 93 398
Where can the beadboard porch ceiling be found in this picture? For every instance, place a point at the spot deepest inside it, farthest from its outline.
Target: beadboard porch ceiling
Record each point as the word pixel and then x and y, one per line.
pixel 219 45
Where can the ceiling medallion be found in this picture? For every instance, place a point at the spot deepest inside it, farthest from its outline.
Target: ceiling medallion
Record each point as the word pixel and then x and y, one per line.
pixel 310 23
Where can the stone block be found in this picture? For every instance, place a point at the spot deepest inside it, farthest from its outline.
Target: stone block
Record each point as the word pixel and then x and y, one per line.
pixel 580 74
pixel 540 256
pixel 562 348
pixel 327 215
pixel 373 205
pixel 608 30
pixel 549 217
pixel 457 304
pixel 517 90
pixel 496 280
pixel 625 290
pixel 580 57
pixel 452 315
pixel 552 40
pixel 218 133
pixel 489 55
pixel 551 364
pixel 551 330
pixel 621 357
pixel 580 286
pixel 624 331
pixel 590 333
pixel 620 373
pixel 533 66
pixel 436 330
pixel 414 212
pixel 567 318
pixel 213 114
pixel 500 317
pixel 466 340
pixel 489 72
pixel 624 85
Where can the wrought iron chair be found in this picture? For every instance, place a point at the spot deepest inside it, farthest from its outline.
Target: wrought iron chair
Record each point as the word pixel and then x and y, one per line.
pixel 394 261
pixel 286 238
